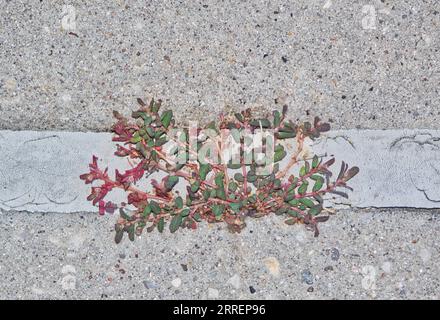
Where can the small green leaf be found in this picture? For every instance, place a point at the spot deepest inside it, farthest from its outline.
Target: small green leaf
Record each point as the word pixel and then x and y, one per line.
pixel 303 188
pixel 234 165
pixel 318 185
pixel 166 118
pixel 235 206
pixel 232 186
pixel 161 225
pixel 136 138
pixel 171 182
pixel 150 132
pixel 279 153
pixel 276 118
pixel 219 179
pixel 264 123
pixel 315 210
pixel 197 217
pixel 175 223
pixel 131 232
pixel 184 212
pixel 155 207
pixel 221 194
pixel 218 210
pixel 239 117
pixel 294 202
pixel 315 161
pixel 147 211
pixel 286 135
pixel 118 236
pixel 239 177
pixel 195 186
pixel 204 170
pixel 303 171
pixel 179 202
pixel 307 202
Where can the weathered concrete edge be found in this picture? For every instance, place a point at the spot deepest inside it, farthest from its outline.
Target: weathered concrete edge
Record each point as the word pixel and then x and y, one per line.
pixel 399 168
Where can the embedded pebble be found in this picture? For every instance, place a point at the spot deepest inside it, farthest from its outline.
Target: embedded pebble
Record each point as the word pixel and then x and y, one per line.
pixel 252 289
pixel 273 266
pixel 386 267
pixel 213 293
pixel 334 254
pixel 176 282
pixel 425 255
pixel 149 284
pixel 307 277
pixel 235 281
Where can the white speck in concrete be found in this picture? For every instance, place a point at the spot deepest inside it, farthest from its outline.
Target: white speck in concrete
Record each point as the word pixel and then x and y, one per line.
pixel 369 279
pixel 235 281
pixel 176 282
pixel 425 254
pixel 386 266
pixel 327 4
pixel 213 293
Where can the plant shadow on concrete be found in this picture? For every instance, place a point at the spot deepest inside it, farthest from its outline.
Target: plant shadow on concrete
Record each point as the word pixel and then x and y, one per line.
pixel 216 184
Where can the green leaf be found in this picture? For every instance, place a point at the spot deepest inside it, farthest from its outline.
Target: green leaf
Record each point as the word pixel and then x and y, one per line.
pixel 303 188
pixel 150 132
pixel 147 211
pixel 234 165
pixel 118 236
pixel 206 194
pixel 175 223
pixel 264 123
pixel 197 217
pixel 294 202
pixel 204 170
pixel 235 206
pixel 307 202
pixel 303 171
pixel 315 210
pixel 124 215
pixel 155 207
pixel 293 213
pixel 318 185
pixel 166 118
pixel 161 141
pixel 161 225
pixel 221 194
pixel 239 177
pixel 131 232
pixel 286 135
pixel 195 186
pixel 219 179
pixel 239 117
pixel 179 202
pixel 136 138
pixel 276 118
pixel 280 153
pixel 171 182
pixel 232 186
pixel 218 210
pixel 315 161
pixel 185 212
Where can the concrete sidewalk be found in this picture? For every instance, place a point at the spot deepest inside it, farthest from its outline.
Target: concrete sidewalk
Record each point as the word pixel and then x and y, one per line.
pixel 361 254
pixel 366 64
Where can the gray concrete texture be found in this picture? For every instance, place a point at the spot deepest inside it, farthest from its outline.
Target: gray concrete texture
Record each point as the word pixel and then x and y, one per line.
pixel 365 64
pixel 388 254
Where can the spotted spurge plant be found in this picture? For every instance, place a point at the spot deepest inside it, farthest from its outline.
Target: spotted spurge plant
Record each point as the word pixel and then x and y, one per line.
pixel 214 191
